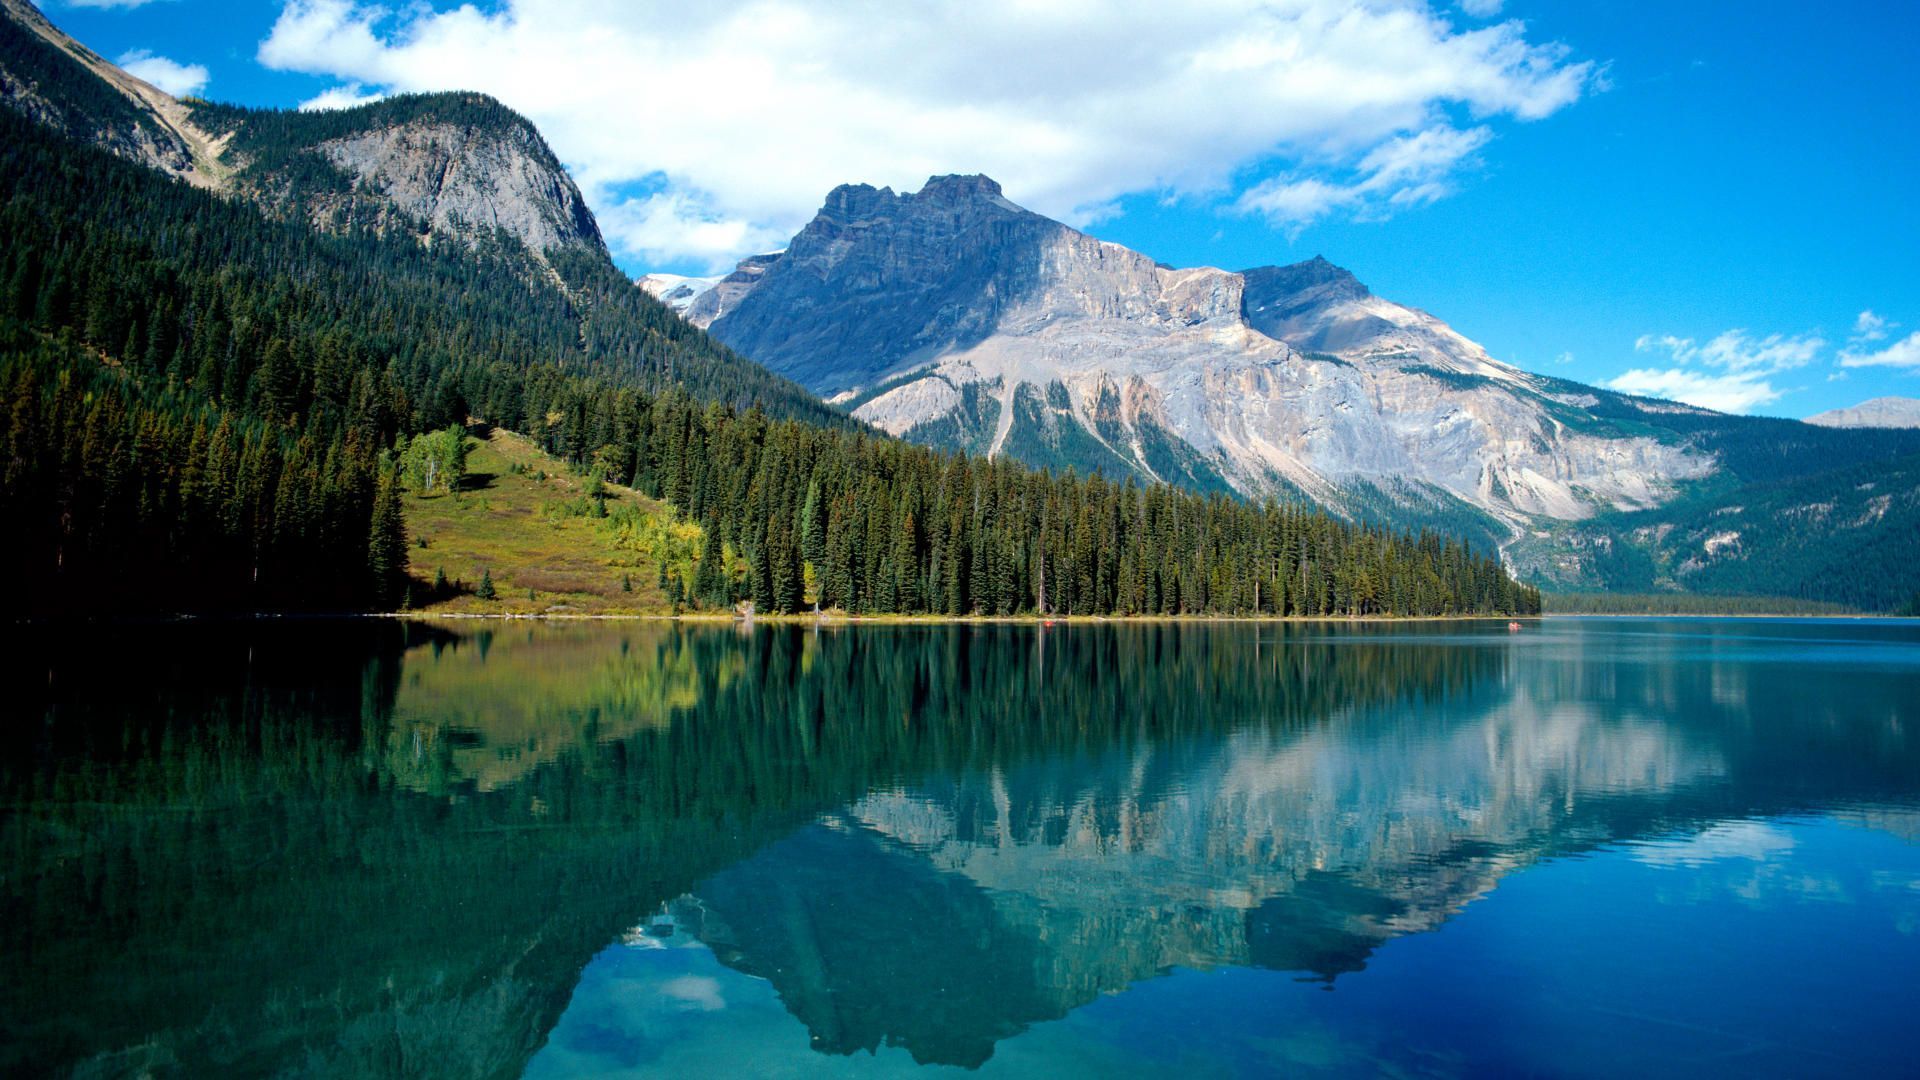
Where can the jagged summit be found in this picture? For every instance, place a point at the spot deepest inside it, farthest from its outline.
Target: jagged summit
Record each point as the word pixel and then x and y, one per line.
pixel 1315 273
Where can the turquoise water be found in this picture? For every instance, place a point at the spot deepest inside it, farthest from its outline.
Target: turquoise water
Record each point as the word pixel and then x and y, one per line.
pixel 1591 848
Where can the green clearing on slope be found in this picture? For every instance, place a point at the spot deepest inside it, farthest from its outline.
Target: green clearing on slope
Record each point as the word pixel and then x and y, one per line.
pixel 528 522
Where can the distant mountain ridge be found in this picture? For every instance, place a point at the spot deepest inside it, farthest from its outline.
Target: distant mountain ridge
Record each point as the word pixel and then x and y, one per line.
pixel 1882 412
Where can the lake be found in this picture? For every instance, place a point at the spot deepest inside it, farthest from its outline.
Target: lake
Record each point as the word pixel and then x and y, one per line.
pixel 371 848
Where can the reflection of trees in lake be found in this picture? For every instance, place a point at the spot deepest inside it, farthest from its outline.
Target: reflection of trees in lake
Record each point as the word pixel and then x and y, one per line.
pixel 374 847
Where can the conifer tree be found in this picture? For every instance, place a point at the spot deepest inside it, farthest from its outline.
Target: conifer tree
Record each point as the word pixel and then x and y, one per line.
pixel 387 540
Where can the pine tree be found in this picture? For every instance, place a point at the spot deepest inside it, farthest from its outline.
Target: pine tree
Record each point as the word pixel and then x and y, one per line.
pixel 386 541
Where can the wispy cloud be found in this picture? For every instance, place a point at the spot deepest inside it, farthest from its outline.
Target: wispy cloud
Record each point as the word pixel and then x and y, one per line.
pixel 1870 327
pixel 1409 171
pixel 1746 367
pixel 180 80
pixel 1738 350
pixel 1724 393
pixel 1904 353
pixel 1355 107
pixel 1482 9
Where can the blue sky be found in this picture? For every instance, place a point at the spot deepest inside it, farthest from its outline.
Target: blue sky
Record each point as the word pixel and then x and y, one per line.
pixel 1690 199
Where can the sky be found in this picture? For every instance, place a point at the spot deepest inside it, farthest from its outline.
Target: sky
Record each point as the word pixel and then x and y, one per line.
pixel 1707 202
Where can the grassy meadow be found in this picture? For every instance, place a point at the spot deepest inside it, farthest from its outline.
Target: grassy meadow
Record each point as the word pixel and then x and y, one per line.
pixel 528 520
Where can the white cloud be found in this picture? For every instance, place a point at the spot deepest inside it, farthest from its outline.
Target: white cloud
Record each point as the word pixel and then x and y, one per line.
pixel 1904 353
pixel 1482 9
pixel 1870 327
pixel 1750 840
pixel 748 114
pixel 180 80
pixel 1748 365
pixel 1737 351
pixel 1735 393
pixel 1564 358
pixel 341 97
pixel 1408 171
pixel 670 226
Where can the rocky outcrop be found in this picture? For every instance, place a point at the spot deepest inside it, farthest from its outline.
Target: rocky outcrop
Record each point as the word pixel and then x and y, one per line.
pixel 955 317
pixel 1885 412
pixel 467 181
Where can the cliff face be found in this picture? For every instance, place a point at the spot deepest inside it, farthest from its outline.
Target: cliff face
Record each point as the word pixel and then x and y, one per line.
pixel 459 167
pixel 464 181
pixel 955 317
pixel 879 280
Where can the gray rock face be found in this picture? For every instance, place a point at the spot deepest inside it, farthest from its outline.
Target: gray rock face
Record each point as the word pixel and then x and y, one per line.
pixel 1885 412
pixel 878 282
pixel 955 317
pixel 465 182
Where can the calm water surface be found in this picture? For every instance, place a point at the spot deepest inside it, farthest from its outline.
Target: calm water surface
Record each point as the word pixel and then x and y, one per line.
pixel 1593 848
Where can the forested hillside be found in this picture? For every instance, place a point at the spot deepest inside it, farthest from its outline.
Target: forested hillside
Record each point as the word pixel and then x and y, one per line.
pixel 1797 512
pixel 200 402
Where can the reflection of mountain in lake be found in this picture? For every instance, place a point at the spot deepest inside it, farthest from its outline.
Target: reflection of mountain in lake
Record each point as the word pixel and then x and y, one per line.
pixel 945 915
pixel 370 848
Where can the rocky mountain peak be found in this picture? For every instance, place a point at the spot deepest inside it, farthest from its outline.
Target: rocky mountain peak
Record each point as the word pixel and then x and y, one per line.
pixel 955 188
pixel 960 198
pixel 457 166
pixel 878 279
pixel 953 316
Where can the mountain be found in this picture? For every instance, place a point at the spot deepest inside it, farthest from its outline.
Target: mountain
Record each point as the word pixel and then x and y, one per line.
pixel 954 317
pixel 1884 412
pixel 458 166
pixel 455 166
pixel 677 291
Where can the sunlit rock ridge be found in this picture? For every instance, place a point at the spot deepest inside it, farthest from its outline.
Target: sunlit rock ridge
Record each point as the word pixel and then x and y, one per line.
pixel 955 317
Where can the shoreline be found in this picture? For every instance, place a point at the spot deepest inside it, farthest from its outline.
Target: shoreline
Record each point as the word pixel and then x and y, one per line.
pixel 838 620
